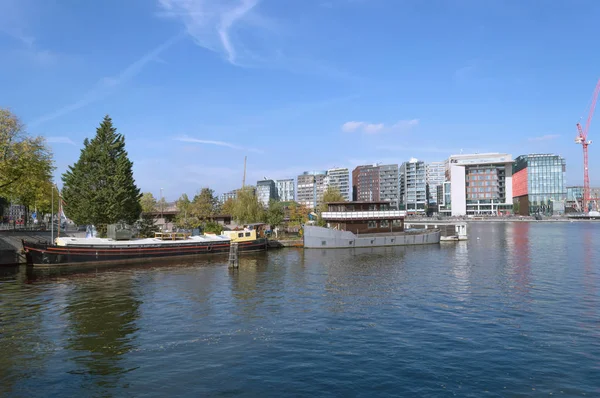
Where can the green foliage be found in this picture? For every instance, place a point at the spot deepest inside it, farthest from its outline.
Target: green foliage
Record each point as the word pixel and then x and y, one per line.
pixel 298 214
pixel 26 163
pixel 247 208
pixel 148 202
pixel 331 194
pixel 204 204
pixel 275 213
pixel 147 228
pixel 184 218
pixel 228 207
pixel 99 188
pixel 213 227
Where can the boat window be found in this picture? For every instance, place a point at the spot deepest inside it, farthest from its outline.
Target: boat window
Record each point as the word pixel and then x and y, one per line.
pixel 372 224
pixel 241 235
pixel 323 243
pixel 247 233
pixel 351 242
pixel 384 223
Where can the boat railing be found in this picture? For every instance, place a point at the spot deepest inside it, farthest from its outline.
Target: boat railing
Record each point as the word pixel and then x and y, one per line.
pixel 172 235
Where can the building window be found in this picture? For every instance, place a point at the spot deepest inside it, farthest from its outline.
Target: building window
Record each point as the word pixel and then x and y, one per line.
pixel 372 224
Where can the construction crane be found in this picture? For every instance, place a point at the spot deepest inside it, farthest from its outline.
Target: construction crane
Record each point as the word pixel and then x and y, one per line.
pixel 582 139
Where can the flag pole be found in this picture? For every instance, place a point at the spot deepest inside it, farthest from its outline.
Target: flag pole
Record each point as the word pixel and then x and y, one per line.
pixel 59 211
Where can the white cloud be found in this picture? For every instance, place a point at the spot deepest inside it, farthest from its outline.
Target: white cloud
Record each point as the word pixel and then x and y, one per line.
pixel 210 22
pixel 185 138
pixel 60 140
pixel 373 128
pixel 547 137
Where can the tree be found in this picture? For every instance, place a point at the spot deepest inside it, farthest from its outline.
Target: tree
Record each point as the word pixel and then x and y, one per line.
pixel 99 188
pixel 184 218
pixel 228 207
pixel 25 162
pixel 247 208
pixel 331 194
pixel 148 202
pixel 204 205
pixel 298 214
pixel 147 227
pixel 275 213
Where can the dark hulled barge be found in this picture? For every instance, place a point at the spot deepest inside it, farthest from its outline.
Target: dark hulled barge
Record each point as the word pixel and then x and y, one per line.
pixel 68 250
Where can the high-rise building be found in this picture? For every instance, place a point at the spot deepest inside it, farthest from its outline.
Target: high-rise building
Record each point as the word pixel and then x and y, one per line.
pixel 480 184
pixel 435 175
pixel 310 183
pixel 266 191
pixel 413 186
pixel 340 179
pixel 539 184
pixel 388 184
pixel 286 191
pixel 365 183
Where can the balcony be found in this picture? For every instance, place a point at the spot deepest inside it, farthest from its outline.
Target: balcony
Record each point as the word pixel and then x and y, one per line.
pixel 363 215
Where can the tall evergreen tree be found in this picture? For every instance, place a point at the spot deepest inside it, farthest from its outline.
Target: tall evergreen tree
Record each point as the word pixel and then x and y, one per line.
pixel 100 188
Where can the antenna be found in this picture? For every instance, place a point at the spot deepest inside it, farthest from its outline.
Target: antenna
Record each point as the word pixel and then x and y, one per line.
pixel 244 179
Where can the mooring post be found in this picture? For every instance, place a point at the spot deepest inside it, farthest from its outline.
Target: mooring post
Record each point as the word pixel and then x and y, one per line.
pixel 233 255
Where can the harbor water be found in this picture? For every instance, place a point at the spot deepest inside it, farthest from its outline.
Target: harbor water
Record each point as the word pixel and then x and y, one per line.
pixel 514 311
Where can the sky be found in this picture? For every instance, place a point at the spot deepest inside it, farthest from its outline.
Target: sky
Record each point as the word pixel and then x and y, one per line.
pixel 296 85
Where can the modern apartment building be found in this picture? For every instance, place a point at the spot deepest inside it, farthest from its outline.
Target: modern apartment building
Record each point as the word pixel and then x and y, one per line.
pixel 309 185
pixel 365 183
pixel 266 191
pixel 435 176
pixel 286 190
pixel 413 186
pixel 481 184
pixel 340 179
pixel 388 184
pixel 539 184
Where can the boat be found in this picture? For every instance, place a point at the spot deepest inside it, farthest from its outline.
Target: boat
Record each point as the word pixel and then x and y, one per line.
pixel 364 224
pixel 119 247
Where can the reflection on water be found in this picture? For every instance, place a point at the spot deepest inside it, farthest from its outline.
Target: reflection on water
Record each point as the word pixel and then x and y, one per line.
pixel 511 312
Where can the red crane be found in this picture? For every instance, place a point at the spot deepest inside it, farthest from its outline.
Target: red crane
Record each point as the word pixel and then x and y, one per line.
pixel 582 139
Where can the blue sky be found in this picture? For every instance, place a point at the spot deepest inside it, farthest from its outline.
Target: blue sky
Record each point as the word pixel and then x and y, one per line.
pixel 195 85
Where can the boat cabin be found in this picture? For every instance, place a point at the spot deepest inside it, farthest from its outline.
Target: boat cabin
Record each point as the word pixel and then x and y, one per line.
pixel 249 232
pixel 364 217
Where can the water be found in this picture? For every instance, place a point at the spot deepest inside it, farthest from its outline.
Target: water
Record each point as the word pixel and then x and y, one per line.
pixel 513 313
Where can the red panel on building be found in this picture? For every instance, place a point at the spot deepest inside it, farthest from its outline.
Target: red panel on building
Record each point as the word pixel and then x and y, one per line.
pixel 519 182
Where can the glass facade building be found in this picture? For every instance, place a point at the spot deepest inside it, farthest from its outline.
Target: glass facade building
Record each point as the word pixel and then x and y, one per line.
pixel 539 184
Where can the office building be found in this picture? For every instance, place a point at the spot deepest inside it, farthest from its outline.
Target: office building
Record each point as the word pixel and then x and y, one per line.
pixel 574 200
pixel 539 184
pixel 413 186
pixel 309 185
pixel 444 198
pixel 365 183
pixel 435 175
pixel 266 191
pixel 388 184
pixel 339 178
pixel 229 195
pixel 286 190
pixel 481 184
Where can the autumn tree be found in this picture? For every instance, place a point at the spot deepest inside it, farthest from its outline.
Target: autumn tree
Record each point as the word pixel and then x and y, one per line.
pixel 148 202
pixel 26 163
pixel 99 188
pixel 298 214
